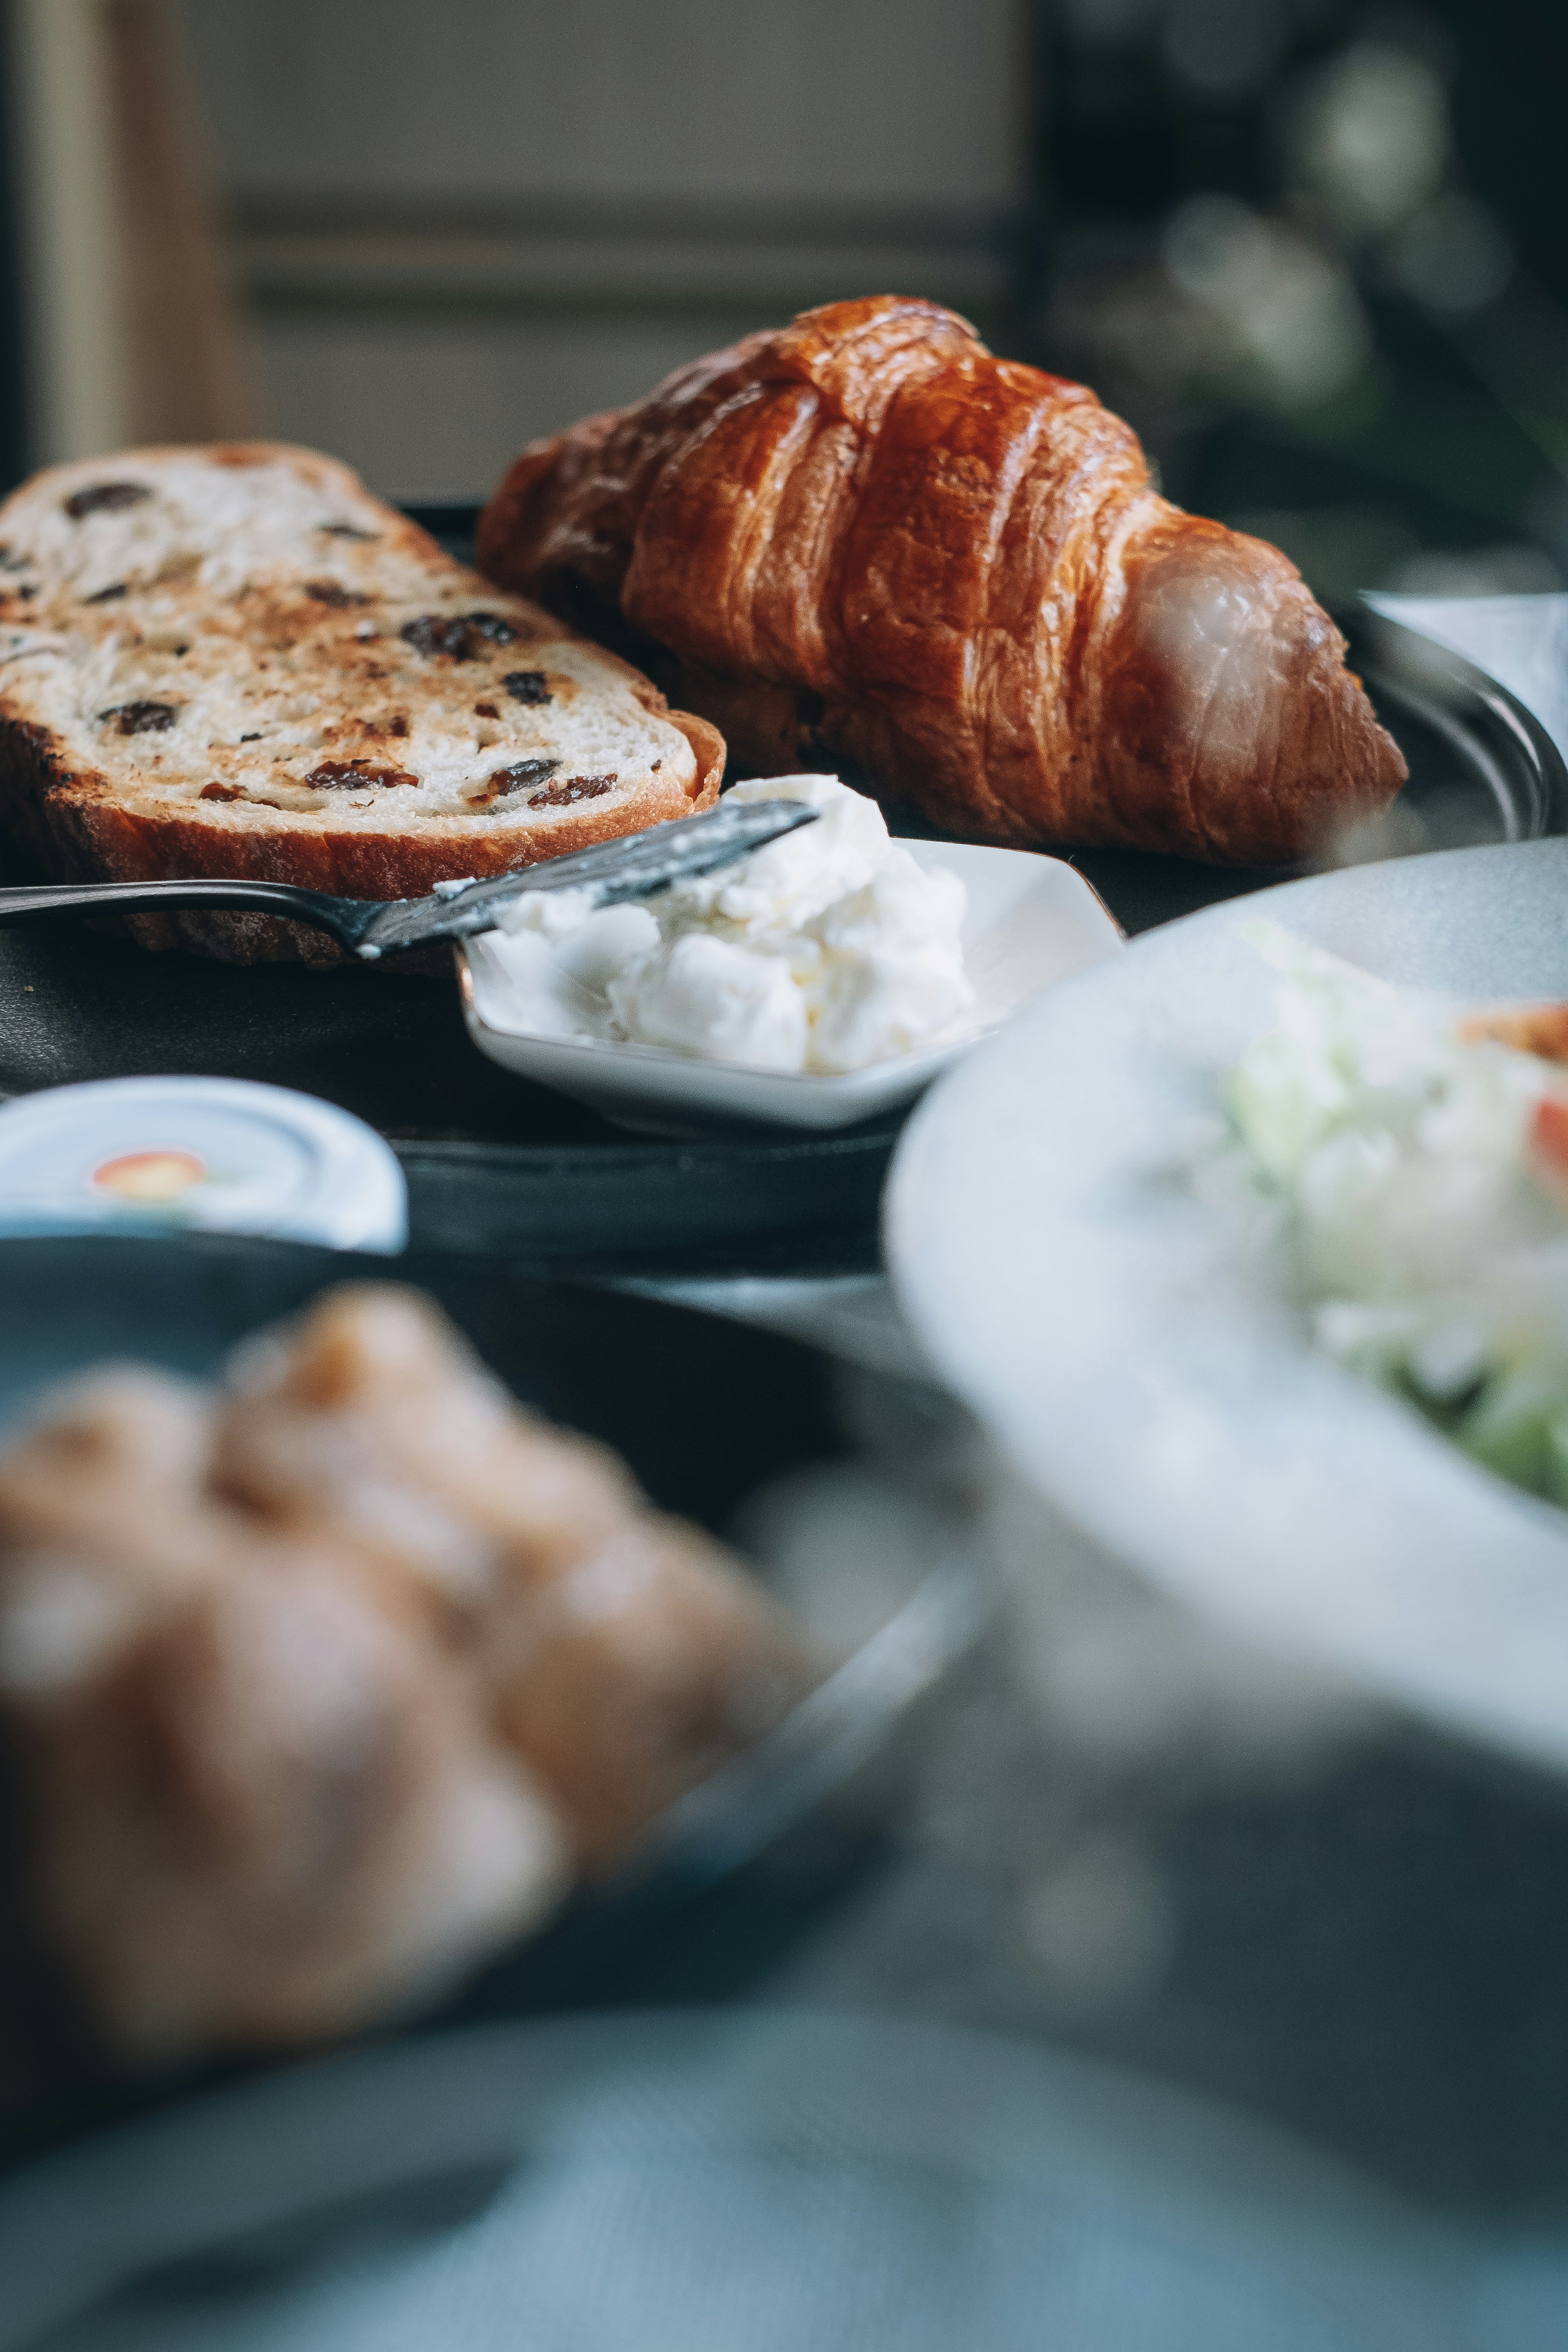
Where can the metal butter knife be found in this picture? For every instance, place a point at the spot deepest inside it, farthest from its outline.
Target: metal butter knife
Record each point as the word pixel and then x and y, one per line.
pixel 637 866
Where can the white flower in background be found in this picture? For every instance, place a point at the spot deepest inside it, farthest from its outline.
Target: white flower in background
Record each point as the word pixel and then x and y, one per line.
pixel 1368 138
pixel 1282 318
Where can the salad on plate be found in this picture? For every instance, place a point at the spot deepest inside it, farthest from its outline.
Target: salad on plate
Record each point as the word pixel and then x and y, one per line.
pixel 1408 1160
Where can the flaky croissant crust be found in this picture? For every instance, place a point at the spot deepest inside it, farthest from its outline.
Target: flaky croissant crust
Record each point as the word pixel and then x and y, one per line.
pixel 863 536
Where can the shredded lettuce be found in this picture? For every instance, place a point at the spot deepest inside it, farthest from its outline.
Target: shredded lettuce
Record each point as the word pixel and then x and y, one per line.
pixel 1393 1156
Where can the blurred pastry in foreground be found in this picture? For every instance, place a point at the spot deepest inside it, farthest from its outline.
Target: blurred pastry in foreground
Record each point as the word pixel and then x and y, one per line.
pixel 326 1684
pixel 368 1425
pixel 618 1650
pixel 864 538
pixel 628 1677
pixel 275 1814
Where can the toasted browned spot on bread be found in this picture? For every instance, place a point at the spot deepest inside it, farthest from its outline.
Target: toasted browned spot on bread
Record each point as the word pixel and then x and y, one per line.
pixel 372 730
pixel 329 592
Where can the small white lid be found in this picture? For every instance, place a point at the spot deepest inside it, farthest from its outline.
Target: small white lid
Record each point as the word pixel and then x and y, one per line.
pixel 206 1155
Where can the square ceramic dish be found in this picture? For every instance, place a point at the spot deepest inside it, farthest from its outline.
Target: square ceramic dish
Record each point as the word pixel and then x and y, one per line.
pixel 1031 921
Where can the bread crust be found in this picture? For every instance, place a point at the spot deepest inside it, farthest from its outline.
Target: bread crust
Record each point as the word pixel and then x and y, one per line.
pixel 145 808
pixel 864 539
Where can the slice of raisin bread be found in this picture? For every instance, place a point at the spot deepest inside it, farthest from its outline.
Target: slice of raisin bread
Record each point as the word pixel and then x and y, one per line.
pixel 235 661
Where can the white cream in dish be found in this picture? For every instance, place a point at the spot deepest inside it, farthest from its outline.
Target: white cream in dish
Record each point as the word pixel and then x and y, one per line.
pixel 829 950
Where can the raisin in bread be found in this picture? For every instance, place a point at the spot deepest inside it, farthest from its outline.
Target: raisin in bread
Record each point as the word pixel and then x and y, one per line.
pixel 235 661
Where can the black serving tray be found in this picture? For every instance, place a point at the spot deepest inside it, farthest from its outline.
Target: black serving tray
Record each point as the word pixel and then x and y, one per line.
pixel 704 1411
pixel 496 1164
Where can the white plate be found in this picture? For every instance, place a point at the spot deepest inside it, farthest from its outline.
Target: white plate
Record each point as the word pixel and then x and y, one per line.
pixel 1099 1319
pixel 1031 921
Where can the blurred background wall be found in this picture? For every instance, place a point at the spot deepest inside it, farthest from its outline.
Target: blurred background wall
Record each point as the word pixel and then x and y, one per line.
pixel 463 225
pixel 1314 249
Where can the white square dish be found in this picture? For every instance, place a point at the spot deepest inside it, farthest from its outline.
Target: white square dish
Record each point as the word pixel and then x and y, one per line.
pixel 1031 921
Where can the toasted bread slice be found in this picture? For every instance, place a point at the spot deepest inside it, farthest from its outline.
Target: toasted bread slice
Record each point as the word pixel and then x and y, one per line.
pixel 235 661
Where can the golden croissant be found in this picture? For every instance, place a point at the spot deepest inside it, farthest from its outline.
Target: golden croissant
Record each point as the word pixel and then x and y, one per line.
pixel 864 539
